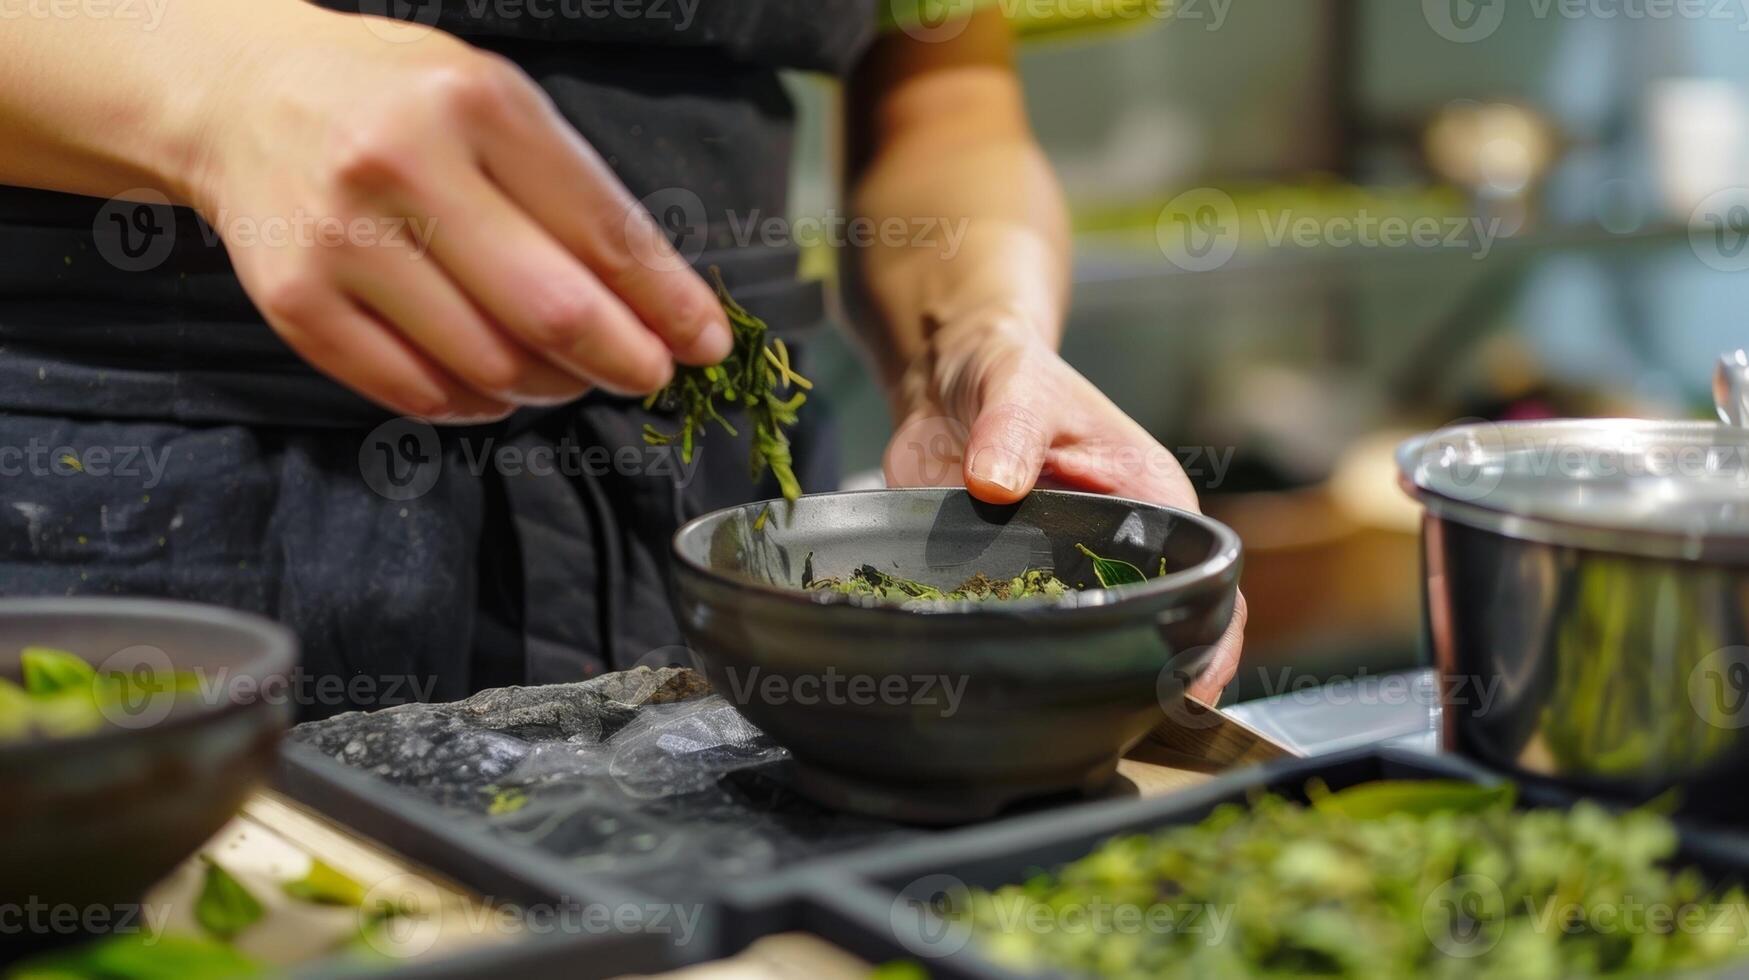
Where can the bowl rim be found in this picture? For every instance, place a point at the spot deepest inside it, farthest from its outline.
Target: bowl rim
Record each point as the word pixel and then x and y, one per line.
pixel 1223 560
pixel 278 655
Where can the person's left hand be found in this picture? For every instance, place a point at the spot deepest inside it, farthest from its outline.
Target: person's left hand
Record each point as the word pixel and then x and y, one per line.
pixel 992 406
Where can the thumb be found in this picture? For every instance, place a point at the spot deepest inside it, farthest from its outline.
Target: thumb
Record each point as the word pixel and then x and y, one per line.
pixel 1005 452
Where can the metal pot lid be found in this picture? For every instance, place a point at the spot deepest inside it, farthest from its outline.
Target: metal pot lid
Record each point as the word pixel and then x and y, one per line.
pixel 1659 489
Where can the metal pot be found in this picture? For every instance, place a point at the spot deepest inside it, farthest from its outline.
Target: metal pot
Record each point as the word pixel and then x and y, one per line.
pixel 1586 590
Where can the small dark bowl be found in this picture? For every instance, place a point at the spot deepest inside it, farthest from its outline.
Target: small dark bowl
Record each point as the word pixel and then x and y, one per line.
pixel 91 821
pixel 944 712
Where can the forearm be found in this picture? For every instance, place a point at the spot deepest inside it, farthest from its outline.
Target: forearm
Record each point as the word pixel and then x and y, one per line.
pixel 949 152
pixel 101 105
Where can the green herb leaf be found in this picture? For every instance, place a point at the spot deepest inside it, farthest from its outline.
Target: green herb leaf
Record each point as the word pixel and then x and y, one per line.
pixel 224 907
pixel 507 801
pixel 750 378
pixel 50 671
pixel 324 884
pixel 1418 797
pixel 1113 572
pixel 899 970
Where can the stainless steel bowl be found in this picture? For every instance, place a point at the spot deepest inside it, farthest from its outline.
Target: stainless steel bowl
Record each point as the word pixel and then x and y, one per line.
pixel 947 712
pixel 1587 601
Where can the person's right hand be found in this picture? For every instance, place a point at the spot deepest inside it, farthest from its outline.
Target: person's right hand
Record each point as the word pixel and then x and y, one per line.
pixel 523 273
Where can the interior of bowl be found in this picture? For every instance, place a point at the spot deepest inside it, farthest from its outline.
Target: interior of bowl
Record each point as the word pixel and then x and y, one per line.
pixel 942 537
pixel 231 655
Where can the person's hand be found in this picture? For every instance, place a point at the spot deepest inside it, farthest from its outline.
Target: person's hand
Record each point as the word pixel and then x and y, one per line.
pixel 995 408
pixel 463 251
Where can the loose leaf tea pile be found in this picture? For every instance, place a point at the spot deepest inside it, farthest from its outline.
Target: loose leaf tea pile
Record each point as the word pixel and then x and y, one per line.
pixel 752 376
pixel 873 583
pixel 1383 880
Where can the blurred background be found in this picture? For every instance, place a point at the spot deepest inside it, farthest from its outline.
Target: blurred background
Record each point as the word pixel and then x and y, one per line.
pixel 1575 171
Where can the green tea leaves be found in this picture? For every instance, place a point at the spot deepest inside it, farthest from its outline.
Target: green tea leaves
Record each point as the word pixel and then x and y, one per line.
pixel 49 671
pixel 507 801
pixel 1113 572
pixel 1454 883
pixel 1418 797
pixel 324 884
pixel 224 907
pixel 751 377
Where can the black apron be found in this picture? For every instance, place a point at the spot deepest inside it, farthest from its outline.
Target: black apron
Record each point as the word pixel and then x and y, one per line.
pixel 157 439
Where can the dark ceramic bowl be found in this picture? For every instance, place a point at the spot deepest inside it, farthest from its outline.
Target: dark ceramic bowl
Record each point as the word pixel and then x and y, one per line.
pixel 92 821
pixel 941 712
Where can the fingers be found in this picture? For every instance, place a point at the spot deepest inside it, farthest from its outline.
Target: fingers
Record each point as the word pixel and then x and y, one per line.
pixel 539 292
pixel 431 312
pixel 554 175
pixel 365 355
pixel 1005 451
pixel 1224 666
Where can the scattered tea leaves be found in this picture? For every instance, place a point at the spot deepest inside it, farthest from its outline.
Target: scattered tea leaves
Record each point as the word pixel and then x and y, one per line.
pixel 1434 881
pixel 324 884
pixel 224 907
pixel 752 376
pixel 507 801
pixel 871 581
pixel 49 671
pixel 1114 572
pixel 1421 797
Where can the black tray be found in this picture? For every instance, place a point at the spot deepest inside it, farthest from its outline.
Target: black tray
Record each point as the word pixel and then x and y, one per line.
pixel 493 870
pixel 870 902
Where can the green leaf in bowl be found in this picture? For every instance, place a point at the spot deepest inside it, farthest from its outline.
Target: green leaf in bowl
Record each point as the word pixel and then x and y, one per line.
pixel 1113 572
